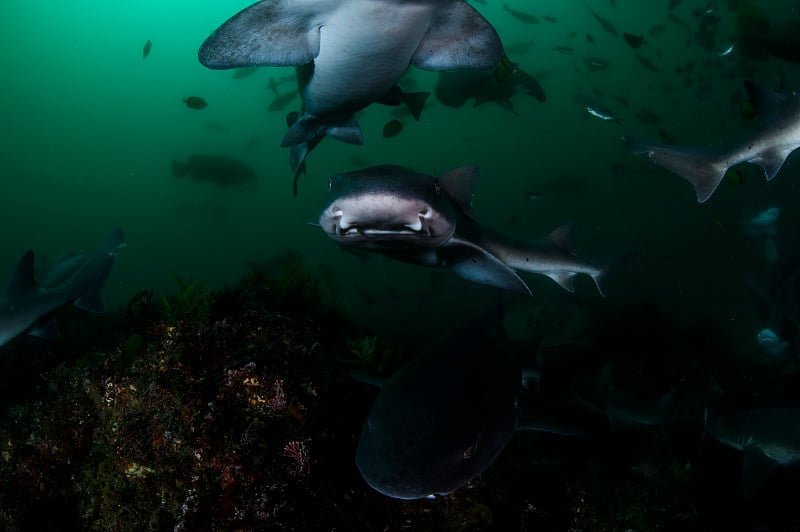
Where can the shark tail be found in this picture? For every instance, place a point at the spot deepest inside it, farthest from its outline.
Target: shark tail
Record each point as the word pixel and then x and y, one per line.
pixel 89 280
pixel 297 160
pixel 309 128
pixel 697 165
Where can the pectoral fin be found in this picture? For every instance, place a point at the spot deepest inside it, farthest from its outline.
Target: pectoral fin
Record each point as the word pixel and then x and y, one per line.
pixel 22 282
pixel 458 38
pixel 475 264
pixel 272 32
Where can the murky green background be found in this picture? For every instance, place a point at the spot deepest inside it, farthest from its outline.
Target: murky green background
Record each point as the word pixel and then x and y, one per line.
pixel 90 129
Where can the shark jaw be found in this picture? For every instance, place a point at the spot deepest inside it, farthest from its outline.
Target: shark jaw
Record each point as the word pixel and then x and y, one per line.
pixel 377 219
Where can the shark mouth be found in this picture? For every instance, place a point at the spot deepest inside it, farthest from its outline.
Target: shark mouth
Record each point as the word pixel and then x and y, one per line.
pixel 418 229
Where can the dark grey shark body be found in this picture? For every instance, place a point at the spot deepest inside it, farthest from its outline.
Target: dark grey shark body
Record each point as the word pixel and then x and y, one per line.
pixel 350 53
pixel 623 407
pixel 420 219
pixel 768 437
pixel 444 417
pixel 25 306
pixel 768 145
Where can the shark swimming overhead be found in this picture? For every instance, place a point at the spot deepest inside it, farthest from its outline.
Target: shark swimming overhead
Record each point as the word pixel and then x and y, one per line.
pixel 350 53
pixel 428 221
pixel 26 306
pixel 767 145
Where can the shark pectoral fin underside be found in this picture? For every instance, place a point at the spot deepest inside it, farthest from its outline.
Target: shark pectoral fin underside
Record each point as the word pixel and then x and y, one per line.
pixel 477 265
pixel 272 32
pixel 458 38
pixel 22 282
pixel 772 160
pixel 756 468
pixel 459 183
pixel 694 164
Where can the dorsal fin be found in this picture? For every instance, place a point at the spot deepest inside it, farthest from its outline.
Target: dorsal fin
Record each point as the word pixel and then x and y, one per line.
pixel 561 237
pixel 459 184
pixel 22 281
pixel 763 99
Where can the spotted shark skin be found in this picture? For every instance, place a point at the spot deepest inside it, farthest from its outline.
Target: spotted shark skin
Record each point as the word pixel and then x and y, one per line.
pixel 428 221
pixel 767 145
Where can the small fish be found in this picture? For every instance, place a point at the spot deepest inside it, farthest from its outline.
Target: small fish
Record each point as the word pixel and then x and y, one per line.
pixel 634 41
pixel 649 117
pixel 567 50
pixel 610 29
pixel 763 224
pixel 622 100
pixel 552 20
pixel 216 127
pixel 590 38
pixel 519 48
pixel 195 102
pixel 392 128
pixel 281 101
pixel 146 50
pixel 727 51
pixel 771 343
pixel 521 15
pixel 657 29
pixel 596 64
pixel 219 169
pixel 647 63
pixel 602 114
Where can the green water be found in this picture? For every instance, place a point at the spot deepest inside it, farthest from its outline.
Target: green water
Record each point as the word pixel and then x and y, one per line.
pixel 90 129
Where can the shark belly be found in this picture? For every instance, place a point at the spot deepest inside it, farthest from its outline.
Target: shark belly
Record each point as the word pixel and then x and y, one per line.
pixel 364 50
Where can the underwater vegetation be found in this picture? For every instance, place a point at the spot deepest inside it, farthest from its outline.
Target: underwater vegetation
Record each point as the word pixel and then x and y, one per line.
pixel 234 410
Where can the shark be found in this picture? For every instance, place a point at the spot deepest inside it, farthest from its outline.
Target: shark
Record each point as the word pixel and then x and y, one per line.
pixel 767 144
pixel 623 407
pixel 444 417
pixel 27 306
pixel 428 221
pixel 769 437
pixel 349 54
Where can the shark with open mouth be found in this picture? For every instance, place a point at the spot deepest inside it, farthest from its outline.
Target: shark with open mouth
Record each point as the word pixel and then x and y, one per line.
pixel 428 221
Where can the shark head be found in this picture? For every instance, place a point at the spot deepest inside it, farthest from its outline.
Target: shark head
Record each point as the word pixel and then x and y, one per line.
pixel 444 417
pixel 386 207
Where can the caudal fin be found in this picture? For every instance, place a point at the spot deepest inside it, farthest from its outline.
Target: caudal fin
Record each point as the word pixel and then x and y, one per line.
pixel 697 165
